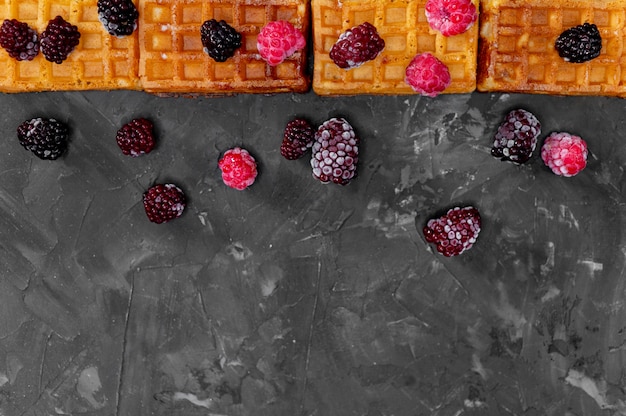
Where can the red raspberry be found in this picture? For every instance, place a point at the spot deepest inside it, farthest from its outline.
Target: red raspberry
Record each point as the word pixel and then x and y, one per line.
pixel 297 139
pixel 451 17
pixel 427 75
pixel 238 168
pixel 279 40
pixel 356 46
pixel 164 202
pixel 454 232
pixel 516 137
pixel 564 153
pixel 335 152
pixel 136 137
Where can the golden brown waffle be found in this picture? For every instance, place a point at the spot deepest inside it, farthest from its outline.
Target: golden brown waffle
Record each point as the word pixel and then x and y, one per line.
pixel 172 59
pixel 99 62
pixel 517 51
pixel 403 26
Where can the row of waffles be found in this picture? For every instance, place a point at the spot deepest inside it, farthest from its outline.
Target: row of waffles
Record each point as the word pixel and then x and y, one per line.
pixel 509 48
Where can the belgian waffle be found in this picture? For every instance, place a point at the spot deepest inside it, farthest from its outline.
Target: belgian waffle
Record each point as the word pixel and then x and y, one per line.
pixel 517 53
pixel 172 59
pixel 99 62
pixel 403 26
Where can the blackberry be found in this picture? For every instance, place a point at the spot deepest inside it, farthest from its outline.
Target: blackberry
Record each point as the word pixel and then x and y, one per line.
pixel 516 137
pixel 46 138
pixel 454 232
pixel 136 137
pixel 219 39
pixel 119 17
pixel 297 139
pixel 356 46
pixel 164 202
pixel 58 40
pixel 335 152
pixel 19 40
pixel 580 43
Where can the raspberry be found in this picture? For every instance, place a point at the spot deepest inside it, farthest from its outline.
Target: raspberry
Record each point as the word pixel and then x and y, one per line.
pixel 58 40
pixel 136 137
pixel 46 138
pixel 335 152
pixel 297 139
pixel 119 17
pixel 279 40
pixel 427 75
pixel 19 40
pixel 454 232
pixel 579 44
pixel 356 46
pixel 219 39
pixel 450 17
pixel 238 168
pixel 564 153
pixel 516 137
pixel 164 202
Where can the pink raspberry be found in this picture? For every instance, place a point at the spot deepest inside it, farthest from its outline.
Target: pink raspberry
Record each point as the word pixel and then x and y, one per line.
pixel 451 17
pixel 427 75
pixel 564 153
pixel 238 168
pixel 279 40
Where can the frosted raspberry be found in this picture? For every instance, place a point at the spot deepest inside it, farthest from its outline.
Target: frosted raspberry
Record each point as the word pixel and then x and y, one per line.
pixel 279 40
pixel 564 153
pixel 356 46
pixel 164 202
pixel 136 137
pixel 238 168
pixel 427 75
pixel 335 152
pixel 516 137
pixel 454 232
pixel 451 17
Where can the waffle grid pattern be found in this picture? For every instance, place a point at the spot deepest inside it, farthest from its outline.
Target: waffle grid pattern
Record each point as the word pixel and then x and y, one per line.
pixel 172 58
pixel 99 61
pixel 403 26
pixel 525 59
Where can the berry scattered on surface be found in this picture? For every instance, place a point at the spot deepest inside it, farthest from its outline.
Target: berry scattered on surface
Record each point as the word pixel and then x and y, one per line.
pixel 119 17
pixel 136 137
pixel 580 43
pixel 427 75
pixel 454 232
pixel 297 139
pixel 279 40
pixel 164 202
pixel 58 40
pixel 565 154
pixel 335 152
pixel 219 39
pixel 46 138
pixel 356 46
pixel 516 137
pixel 238 168
pixel 19 40
pixel 450 17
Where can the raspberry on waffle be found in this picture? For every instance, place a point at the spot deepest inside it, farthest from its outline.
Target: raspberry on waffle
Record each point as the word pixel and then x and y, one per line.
pixel 517 47
pixel 172 59
pixel 99 61
pixel 404 27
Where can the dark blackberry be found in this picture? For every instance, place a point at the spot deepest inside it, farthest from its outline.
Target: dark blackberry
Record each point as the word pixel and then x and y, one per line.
pixel 297 139
pixel 335 152
pixel 136 137
pixel 119 17
pixel 58 40
pixel 516 137
pixel 164 202
pixel 356 46
pixel 220 40
pixel 580 43
pixel 19 40
pixel 46 138
pixel 454 232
